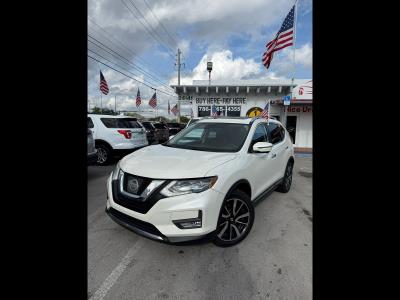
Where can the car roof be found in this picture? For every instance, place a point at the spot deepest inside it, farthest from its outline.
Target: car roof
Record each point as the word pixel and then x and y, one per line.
pixel 111 116
pixel 234 120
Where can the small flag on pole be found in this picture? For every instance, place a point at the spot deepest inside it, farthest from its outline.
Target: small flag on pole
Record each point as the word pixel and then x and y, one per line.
pixel 103 84
pixel 174 109
pixel 214 111
pixel 138 98
pixel 265 112
pixel 283 39
pixel 169 108
pixel 153 101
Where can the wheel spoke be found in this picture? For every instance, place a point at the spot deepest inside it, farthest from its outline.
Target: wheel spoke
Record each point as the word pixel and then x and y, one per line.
pixel 234 206
pixel 236 230
pixel 240 222
pixel 235 212
pixel 230 232
pixel 242 216
pixel 223 230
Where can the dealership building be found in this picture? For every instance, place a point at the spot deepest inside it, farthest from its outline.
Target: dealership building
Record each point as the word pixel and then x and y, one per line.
pixel 249 97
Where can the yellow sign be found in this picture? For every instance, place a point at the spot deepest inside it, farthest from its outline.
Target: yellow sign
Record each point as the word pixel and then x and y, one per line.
pixel 253 112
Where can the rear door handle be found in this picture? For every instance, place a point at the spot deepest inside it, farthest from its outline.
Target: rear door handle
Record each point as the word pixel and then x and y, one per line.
pixel 273 155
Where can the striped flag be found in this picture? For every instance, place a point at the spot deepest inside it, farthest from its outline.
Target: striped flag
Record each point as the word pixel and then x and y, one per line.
pixel 169 108
pixel 103 84
pixel 138 98
pixel 174 109
pixel 153 101
pixel 265 112
pixel 283 39
pixel 214 110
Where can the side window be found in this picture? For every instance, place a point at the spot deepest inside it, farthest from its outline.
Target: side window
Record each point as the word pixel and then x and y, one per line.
pixel 275 134
pixel 109 122
pixel 90 123
pixel 258 136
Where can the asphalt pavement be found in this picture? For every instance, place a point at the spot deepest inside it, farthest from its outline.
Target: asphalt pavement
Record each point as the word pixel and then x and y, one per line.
pixel 273 262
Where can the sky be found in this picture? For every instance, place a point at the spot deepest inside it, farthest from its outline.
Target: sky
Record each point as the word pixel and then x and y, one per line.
pixel 140 38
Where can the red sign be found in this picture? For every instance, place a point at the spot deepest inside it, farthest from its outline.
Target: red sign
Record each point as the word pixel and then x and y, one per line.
pixel 298 109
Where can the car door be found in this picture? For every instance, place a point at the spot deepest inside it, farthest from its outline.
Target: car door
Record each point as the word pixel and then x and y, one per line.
pixel 260 171
pixel 276 136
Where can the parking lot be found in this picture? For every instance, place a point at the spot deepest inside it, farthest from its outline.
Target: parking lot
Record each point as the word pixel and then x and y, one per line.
pixel 273 262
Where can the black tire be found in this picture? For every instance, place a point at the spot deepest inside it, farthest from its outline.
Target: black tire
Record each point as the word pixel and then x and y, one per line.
pixel 103 154
pixel 237 222
pixel 284 187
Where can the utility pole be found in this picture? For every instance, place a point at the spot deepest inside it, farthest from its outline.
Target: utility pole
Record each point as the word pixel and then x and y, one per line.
pixel 179 83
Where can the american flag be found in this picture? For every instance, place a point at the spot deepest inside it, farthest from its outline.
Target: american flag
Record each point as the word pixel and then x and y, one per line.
pixel 214 110
pixel 169 108
pixel 153 101
pixel 174 109
pixel 283 39
pixel 103 84
pixel 138 99
pixel 265 112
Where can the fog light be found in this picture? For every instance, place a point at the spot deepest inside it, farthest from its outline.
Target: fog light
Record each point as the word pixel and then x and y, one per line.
pixel 189 223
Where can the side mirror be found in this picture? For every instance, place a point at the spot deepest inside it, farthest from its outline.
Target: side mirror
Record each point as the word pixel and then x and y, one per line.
pixel 263 147
pixel 171 136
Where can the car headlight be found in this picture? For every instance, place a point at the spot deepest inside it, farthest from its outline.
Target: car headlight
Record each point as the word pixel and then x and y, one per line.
pixel 182 187
pixel 115 172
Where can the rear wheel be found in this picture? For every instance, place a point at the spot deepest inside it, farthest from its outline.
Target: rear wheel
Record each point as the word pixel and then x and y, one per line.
pixel 103 154
pixel 235 219
pixel 284 187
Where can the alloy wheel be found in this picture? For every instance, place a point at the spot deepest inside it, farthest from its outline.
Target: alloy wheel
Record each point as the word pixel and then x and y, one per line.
pixel 234 220
pixel 101 155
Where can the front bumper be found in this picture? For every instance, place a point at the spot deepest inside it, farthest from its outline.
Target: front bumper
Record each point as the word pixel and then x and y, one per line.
pixel 157 222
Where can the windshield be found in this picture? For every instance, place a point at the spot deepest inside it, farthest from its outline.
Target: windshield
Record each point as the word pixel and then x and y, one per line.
pixel 213 137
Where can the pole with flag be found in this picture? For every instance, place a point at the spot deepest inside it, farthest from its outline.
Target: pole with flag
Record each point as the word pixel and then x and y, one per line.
pixel 294 59
pixel 266 111
pixel 284 38
pixel 138 99
pixel 103 89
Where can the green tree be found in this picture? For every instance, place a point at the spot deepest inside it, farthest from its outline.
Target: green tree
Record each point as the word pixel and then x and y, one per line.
pixel 105 111
pixel 184 119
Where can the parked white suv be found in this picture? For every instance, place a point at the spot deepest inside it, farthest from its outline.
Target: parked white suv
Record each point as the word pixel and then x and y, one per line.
pixel 115 135
pixel 203 182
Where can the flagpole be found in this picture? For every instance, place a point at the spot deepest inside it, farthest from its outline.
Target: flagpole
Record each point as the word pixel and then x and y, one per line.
pixel 101 102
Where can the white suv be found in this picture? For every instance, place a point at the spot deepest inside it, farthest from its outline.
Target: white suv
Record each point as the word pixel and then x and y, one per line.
pixel 115 135
pixel 203 182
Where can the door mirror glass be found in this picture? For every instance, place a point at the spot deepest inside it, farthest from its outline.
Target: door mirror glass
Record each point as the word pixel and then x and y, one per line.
pixel 263 147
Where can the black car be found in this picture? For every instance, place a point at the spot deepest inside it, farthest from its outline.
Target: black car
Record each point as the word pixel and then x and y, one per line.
pixel 161 132
pixel 173 128
pixel 150 132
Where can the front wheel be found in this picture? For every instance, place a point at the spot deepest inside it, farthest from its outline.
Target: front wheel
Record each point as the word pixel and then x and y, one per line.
pixel 235 219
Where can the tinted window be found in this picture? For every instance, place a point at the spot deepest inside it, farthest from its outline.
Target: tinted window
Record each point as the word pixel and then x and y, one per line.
pixel 213 137
pixel 120 123
pixel 148 125
pixel 274 132
pixel 173 124
pixel 159 126
pixel 259 135
pixel 90 123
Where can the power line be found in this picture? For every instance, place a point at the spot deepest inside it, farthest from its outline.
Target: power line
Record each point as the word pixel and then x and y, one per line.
pixel 151 76
pixel 159 40
pixel 119 44
pixel 159 22
pixel 124 73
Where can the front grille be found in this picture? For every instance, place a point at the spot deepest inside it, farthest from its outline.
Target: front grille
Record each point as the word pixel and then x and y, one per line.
pixel 140 204
pixel 141 225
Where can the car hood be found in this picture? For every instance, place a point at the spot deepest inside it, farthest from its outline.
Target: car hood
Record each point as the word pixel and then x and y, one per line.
pixel 163 162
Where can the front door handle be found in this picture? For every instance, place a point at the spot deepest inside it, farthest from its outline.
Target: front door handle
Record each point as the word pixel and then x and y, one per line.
pixel 273 155
pixel 287 147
